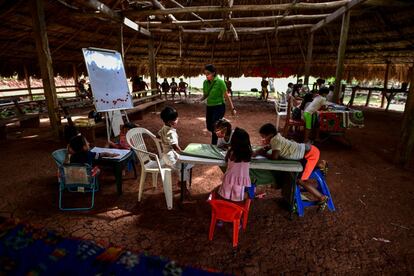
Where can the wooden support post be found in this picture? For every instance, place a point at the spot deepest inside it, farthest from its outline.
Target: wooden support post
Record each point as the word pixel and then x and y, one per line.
pixel 152 66
pixel 405 147
pixel 368 97
pixel 120 41
pixel 341 55
pixel 351 101
pixel 45 62
pixel 308 59
pixel 27 78
pixel 384 93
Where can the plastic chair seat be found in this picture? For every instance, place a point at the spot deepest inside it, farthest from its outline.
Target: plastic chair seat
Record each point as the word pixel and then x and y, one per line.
pixel 296 122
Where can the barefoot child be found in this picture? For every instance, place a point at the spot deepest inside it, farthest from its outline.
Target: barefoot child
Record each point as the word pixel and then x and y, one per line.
pixel 238 157
pixel 169 141
pixel 288 149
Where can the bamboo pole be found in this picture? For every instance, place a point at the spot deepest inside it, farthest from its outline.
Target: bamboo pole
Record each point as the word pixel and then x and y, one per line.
pixel 240 8
pixel 27 78
pixel 341 55
pixel 152 65
pixel 384 93
pixel 308 59
pixel 406 144
pixel 45 62
pixel 120 41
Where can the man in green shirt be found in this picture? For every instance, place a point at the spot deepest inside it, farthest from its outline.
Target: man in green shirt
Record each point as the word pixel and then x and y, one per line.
pixel 215 91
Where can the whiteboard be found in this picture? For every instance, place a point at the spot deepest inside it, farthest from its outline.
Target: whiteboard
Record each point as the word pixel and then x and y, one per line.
pixel 108 79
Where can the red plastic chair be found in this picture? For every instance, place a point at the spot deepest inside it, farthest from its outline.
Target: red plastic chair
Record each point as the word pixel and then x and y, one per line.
pixel 228 212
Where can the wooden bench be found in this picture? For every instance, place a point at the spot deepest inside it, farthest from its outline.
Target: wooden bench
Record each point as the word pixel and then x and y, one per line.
pixel 25 120
pixel 137 112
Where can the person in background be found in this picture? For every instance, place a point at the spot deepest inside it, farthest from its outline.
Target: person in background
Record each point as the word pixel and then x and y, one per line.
pixel 228 85
pixel 159 88
pixel 135 85
pixel 265 91
pixel 121 141
pixel 287 149
pixel 224 132
pixel 215 91
pixel 309 114
pixel 81 89
pixel 165 86
pixel 173 87
pixel 142 86
pixel 182 87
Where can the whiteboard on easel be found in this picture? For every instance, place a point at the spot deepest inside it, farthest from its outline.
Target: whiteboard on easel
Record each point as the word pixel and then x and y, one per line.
pixel 108 79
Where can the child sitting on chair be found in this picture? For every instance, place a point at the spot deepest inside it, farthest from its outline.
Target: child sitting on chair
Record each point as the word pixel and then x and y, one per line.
pixel 288 149
pixel 238 157
pixel 224 132
pixel 80 152
pixel 169 141
pixel 120 141
pixel 318 102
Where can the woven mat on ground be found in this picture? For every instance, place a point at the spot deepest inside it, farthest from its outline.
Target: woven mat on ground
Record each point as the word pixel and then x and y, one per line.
pixel 25 250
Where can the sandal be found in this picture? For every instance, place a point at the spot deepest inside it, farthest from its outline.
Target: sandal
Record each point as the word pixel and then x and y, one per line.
pixel 323 204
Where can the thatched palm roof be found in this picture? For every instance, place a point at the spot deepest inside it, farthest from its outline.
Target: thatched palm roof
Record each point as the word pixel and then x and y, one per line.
pixel 381 31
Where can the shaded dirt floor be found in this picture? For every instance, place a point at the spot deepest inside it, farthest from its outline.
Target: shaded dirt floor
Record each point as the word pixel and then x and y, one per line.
pixel 374 201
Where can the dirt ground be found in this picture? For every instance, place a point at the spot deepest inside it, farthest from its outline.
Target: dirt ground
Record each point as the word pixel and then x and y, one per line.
pixel 374 201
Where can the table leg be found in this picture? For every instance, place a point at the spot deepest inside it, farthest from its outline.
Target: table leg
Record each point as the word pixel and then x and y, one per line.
pixel 118 178
pixel 292 194
pixel 182 183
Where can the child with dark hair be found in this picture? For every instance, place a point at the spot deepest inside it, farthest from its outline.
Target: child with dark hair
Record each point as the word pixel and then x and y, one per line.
pixel 238 157
pixel 224 132
pixel 169 141
pixel 318 102
pixel 121 142
pixel 80 153
pixel 288 149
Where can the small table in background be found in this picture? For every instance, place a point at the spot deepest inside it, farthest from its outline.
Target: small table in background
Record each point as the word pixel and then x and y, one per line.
pixel 118 163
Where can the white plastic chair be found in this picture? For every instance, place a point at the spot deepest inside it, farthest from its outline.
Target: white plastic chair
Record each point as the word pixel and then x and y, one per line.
pixel 150 163
pixel 281 110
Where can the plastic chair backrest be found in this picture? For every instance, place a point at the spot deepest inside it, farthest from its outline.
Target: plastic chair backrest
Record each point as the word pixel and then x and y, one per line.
pixel 76 174
pixel 136 140
pixel 226 211
pixel 59 156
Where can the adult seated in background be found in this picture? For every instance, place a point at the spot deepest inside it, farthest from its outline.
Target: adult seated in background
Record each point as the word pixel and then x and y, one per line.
pixel 135 84
pixel 159 88
pixel 142 86
pixel 182 87
pixel 81 91
pixel 265 91
pixel 165 86
pixel 228 85
pixel 173 87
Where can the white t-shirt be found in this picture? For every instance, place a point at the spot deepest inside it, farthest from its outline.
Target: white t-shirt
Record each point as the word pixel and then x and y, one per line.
pixel 287 149
pixel 316 104
pixel 169 137
pixel 221 142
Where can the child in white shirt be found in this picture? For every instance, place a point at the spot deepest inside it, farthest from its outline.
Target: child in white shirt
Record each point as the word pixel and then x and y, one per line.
pixel 318 102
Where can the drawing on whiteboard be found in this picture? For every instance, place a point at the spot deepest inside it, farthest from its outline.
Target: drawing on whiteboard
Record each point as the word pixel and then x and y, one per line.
pixel 108 79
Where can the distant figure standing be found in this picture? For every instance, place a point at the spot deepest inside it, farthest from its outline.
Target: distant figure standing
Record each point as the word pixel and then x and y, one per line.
pixel 142 86
pixel 173 87
pixel 182 87
pixel 165 86
pixel 228 85
pixel 81 89
pixel 159 88
pixel 135 84
pixel 265 91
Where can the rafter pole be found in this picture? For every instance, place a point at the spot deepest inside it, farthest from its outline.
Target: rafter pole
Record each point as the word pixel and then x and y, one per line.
pixel 338 13
pixel 193 14
pixel 240 8
pixel 152 63
pixel 45 62
pixel 268 49
pixel 341 55
pixel 308 58
pixel 387 73
pixel 120 41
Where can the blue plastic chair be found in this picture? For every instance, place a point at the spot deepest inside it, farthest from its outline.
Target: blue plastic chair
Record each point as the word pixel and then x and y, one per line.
pixel 322 187
pixel 77 178
pixel 59 156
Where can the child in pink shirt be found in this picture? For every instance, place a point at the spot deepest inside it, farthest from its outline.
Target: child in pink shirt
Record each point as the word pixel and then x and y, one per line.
pixel 238 157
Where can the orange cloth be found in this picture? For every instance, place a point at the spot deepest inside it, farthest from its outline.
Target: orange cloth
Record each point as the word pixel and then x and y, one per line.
pixel 312 157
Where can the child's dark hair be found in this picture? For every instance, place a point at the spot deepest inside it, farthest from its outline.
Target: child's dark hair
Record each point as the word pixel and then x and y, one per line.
pixel 323 91
pixel 169 114
pixel 306 99
pixel 223 123
pixel 77 143
pixel 268 129
pixel 240 147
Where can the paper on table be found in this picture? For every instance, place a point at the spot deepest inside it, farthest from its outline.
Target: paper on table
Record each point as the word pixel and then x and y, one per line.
pixel 121 152
pixel 259 157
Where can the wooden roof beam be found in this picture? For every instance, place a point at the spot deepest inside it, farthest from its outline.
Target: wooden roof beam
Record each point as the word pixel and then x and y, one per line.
pixel 338 13
pixel 235 20
pixel 241 8
pixel 108 12
pixel 193 14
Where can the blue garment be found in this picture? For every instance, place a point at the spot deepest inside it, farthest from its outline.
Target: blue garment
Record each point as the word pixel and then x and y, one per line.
pixel 83 157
